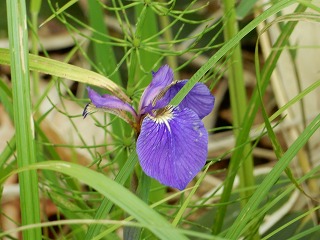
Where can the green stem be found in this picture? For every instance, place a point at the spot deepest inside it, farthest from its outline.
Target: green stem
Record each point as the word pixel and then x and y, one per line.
pixel 134 233
pixel 103 53
pixel 134 64
pixel 172 60
pixel 254 202
pixel 253 108
pixel 238 107
pixel 26 155
pixel 34 10
pixel 106 204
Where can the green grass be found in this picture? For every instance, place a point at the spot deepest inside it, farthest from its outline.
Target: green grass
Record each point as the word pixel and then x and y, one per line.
pixel 121 43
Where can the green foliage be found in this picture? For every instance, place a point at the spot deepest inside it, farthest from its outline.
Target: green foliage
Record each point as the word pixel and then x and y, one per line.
pixel 116 45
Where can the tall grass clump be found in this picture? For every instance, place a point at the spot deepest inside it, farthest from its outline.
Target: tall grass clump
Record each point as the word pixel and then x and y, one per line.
pixel 76 133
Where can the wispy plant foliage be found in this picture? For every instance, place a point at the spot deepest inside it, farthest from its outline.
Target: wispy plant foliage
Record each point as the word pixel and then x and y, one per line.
pixel 88 171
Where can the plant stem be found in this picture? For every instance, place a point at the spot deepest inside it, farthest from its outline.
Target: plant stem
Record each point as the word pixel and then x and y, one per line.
pixel 106 205
pixel 18 37
pixel 34 10
pixel 103 53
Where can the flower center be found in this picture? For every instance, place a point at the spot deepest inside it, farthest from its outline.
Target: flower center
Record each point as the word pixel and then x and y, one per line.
pixel 163 115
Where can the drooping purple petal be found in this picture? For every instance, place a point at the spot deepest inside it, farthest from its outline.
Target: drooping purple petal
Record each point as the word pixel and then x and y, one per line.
pixel 108 103
pixel 172 146
pixel 160 79
pixel 199 99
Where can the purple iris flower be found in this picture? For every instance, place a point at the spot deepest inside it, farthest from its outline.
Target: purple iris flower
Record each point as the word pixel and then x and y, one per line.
pixel 172 143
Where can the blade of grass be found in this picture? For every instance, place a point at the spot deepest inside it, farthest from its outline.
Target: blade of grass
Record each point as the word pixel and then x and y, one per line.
pixel 271 134
pixel 300 217
pixel 134 60
pixel 277 7
pixel 28 181
pixel 118 194
pixel 134 233
pixel 60 10
pixel 244 7
pixel 263 211
pixel 247 212
pixel 34 11
pixel 7 152
pixel 182 210
pixel 6 98
pixel 147 29
pixel 106 204
pixel 302 235
pixel 64 70
pixel 164 22
pixel 238 105
pixel 253 108
pixel 270 65
pixel 103 53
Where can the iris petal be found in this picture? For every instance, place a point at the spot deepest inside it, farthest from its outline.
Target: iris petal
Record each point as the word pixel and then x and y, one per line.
pixel 160 79
pixel 172 146
pixel 107 103
pixel 199 99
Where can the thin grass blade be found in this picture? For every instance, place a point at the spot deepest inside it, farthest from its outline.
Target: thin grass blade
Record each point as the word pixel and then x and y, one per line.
pixel 247 212
pixel 64 70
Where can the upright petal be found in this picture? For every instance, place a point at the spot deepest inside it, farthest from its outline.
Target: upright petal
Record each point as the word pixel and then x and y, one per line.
pixel 172 146
pixel 199 99
pixel 107 103
pixel 160 79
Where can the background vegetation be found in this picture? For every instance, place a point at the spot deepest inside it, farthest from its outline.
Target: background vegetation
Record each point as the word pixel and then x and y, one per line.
pixel 63 177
